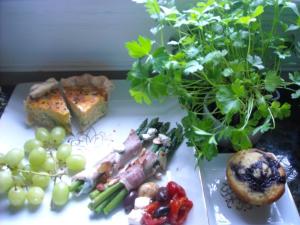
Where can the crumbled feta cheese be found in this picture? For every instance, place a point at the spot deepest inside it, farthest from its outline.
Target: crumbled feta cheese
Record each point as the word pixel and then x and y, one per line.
pixel 141 202
pixel 165 140
pixel 150 134
pixel 146 137
pixel 135 217
pixel 152 131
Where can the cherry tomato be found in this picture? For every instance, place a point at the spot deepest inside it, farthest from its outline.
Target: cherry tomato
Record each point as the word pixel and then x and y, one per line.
pixel 147 219
pixel 175 189
pixel 152 207
pixel 179 209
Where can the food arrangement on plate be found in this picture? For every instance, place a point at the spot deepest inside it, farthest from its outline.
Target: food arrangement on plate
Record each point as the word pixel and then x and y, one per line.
pixel 25 174
pixel 221 81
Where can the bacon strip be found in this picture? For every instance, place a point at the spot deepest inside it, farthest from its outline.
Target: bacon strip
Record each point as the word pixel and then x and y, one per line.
pixel 110 164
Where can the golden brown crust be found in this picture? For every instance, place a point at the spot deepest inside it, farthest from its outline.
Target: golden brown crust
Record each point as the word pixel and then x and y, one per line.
pixel 242 189
pixel 84 97
pixel 52 107
pixel 87 97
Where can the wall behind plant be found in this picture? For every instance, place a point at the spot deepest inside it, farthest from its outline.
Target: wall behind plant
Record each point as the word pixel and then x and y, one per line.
pixel 69 35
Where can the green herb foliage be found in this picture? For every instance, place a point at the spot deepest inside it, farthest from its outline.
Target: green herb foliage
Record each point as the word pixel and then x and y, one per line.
pixel 221 61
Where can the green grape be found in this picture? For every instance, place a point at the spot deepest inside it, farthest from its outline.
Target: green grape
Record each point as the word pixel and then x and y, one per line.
pixel 19 179
pixel 41 180
pixel 37 157
pixel 60 194
pixel 49 164
pixel 27 173
pixel 6 180
pixel 35 195
pixel 75 163
pixel 13 157
pixel 31 144
pixel 63 152
pixel 22 164
pixel 2 159
pixel 43 135
pixel 57 135
pixel 16 196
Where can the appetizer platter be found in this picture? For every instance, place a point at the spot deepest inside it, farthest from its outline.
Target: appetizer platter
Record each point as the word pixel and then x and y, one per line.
pixel 123 117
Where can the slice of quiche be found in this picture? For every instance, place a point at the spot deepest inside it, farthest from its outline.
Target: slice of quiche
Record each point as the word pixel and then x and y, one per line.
pixel 87 97
pixel 45 106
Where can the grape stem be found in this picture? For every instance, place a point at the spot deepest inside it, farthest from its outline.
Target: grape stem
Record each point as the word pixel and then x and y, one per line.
pixel 42 174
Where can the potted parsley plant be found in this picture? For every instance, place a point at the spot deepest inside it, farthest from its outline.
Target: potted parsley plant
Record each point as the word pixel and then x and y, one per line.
pixel 222 62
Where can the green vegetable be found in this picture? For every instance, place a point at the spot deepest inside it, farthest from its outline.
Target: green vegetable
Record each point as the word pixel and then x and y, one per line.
pixel 222 62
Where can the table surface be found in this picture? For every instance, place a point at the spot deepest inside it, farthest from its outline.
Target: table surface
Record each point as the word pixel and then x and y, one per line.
pixel 283 141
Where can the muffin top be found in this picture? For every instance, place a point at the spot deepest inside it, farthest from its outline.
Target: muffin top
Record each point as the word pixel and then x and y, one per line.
pixel 258 169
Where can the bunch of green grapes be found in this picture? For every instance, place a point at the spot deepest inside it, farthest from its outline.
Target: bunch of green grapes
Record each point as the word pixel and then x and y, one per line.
pixel 26 173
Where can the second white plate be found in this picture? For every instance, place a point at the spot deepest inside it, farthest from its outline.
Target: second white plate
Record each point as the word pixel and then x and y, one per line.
pixel 225 208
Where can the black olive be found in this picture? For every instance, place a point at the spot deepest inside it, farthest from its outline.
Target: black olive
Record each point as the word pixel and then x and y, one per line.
pixel 128 202
pixel 161 211
pixel 162 195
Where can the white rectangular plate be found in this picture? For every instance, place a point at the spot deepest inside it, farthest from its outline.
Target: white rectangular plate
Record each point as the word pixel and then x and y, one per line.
pixel 123 115
pixel 225 208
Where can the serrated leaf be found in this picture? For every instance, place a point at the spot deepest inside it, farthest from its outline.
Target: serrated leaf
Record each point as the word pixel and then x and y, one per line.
pixel 246 20
pixel 140 96
pixel 157 86
pixel 264 127
pixel 255 61
pixel 293 7
pixel 209 150
pixel 280 111
pixel 140 48
pixel 258 11
pixel 159 59
pixel 227 101
pixel 214 56
pixel 192 52
pixel 292 27
pixel 238 88
pixel 296 94
pixel 192 67
pixel 295 77
pixel 272 81
pixel 227 72
pixel 240 140
pixel 152 7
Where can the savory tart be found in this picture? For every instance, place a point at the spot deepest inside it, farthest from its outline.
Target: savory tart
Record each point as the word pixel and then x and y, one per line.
pixel 45 106
pixel 256 177
pixel 87 97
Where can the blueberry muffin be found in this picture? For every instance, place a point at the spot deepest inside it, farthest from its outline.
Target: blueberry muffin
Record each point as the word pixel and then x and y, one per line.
pixel 256 177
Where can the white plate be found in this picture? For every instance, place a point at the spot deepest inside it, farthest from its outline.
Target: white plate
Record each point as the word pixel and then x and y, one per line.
pixel 123 115
pixel 225 208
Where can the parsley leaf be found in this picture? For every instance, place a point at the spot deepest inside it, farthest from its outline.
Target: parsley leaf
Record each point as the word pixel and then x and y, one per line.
pixel 272 81
pixel 192 67
pixel 295 77
pixel 140 48
pixel 227 101
pixel 255 61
